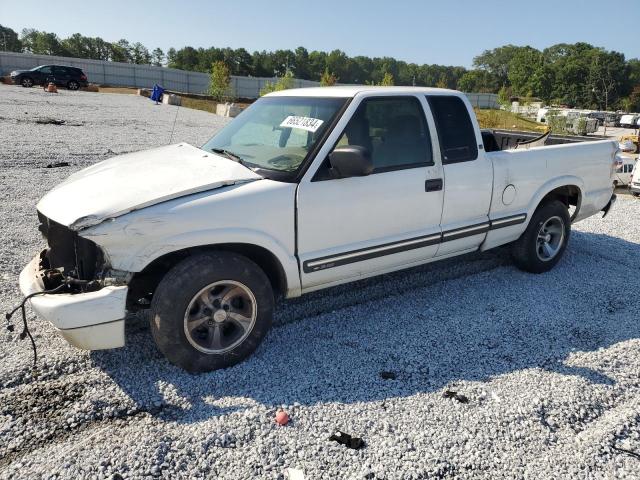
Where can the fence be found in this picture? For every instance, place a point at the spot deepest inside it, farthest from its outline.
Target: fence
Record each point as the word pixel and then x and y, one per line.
pixel 140 76
pixel 145 76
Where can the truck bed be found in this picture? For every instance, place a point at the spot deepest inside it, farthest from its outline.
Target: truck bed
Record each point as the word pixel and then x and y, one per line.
pixel 497 140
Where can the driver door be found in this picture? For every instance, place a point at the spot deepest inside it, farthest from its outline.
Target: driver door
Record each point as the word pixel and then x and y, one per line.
pixel 358 226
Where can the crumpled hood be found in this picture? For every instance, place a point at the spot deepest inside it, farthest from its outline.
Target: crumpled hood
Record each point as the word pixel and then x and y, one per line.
pixel 136 180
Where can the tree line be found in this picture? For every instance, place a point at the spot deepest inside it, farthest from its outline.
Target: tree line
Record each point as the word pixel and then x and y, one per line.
pixel 577 75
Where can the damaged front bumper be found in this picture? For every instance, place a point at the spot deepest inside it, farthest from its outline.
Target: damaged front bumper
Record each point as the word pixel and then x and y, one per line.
pixel 90 321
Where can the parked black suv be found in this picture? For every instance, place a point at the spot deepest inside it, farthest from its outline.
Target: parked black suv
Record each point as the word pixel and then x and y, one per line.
pixel 71 77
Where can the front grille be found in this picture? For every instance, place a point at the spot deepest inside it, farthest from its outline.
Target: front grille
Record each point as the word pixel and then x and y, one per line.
pixel 79 257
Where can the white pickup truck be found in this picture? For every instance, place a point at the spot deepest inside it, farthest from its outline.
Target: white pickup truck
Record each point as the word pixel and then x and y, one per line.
pixel 306 189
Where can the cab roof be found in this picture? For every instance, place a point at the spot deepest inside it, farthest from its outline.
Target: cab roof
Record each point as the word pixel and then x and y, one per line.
pixel 349 91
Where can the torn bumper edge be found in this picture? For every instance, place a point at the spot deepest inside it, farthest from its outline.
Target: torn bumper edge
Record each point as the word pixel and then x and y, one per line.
pixel 89 321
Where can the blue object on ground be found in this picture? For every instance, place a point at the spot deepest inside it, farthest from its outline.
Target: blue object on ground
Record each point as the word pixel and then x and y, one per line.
pixel 157 92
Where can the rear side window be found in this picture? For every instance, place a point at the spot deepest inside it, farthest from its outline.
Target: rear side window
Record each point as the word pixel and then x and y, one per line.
pixel 455 130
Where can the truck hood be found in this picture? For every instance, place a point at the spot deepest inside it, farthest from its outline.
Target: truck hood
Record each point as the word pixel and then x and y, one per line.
pixel 137 180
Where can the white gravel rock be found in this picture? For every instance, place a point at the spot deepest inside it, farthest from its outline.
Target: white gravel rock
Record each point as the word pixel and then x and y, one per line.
pixel 549 363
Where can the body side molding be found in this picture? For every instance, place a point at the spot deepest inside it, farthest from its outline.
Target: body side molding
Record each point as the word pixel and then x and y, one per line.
pixel 337 260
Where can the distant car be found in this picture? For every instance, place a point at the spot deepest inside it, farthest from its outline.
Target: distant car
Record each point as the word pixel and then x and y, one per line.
pixel 629 120
pixel 63 76
pixel 634 187
pixel 624 172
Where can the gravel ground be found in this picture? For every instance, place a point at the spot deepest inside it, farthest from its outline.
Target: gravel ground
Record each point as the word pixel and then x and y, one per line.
pixel 549 364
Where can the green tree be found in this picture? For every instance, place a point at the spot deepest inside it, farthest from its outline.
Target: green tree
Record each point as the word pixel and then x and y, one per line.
pixel 328 79
pixel 387 80
pixel 77 46
pixel 139 54
pixel 524 67
pixel 301 63
pixel 497 61
pixel 634 100
pixel 317 63
pixel 43 43
pixel 121 51
pixel 634 72
pixel 338 63
pixel 220 81
pixel 9 41
pixel 283 83
pixel 185 59
pixel 504 95
pixel 480 81
pixel 157 57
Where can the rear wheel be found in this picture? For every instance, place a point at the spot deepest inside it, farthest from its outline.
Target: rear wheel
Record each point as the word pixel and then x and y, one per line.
pixel 73 85
pixel 26 82
pixel 544 241
pixel 211 311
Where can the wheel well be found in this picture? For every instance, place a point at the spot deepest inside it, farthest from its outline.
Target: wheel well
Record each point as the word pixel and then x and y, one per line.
pixel 570 195
pixel 144 283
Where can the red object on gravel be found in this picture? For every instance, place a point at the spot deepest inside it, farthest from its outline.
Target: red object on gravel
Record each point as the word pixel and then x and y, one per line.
pixel 281 417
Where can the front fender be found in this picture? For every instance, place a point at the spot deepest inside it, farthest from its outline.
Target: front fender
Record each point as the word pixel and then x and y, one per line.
pixel 256 213
pixel 130 259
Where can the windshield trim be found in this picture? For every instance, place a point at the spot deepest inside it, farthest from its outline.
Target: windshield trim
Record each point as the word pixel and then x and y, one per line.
pixel 294 176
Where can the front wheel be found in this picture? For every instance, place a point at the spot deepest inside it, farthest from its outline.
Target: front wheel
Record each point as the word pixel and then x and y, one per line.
pixel 211 311
pixel 73 85
pixel 26 82
pixel 544 241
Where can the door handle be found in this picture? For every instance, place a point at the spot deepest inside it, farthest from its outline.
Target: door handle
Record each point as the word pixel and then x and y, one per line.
pixel 433 185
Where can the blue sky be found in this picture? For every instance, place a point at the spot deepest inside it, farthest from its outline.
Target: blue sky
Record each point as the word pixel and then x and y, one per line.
pixel 449 32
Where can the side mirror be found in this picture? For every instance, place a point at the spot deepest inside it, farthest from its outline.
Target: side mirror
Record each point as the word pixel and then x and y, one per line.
pixel 351 161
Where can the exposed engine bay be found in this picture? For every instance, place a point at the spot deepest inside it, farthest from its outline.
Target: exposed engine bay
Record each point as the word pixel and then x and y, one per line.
pixel 73 261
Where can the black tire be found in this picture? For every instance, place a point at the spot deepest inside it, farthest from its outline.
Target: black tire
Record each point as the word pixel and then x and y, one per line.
pixel 527 253
pixel 182 285
pixel 26 82
pixel 73 85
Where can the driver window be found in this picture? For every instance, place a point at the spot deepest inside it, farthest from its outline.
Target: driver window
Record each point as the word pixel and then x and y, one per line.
pixel 394 130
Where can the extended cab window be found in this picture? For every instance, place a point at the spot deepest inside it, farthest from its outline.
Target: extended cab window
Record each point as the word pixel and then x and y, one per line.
pixel 394 130
pixel 455 130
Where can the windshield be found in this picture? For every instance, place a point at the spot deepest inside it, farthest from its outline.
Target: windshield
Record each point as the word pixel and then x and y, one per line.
pixel 276 133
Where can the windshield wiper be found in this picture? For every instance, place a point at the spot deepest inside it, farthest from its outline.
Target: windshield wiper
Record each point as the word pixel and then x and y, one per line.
pixel 230 155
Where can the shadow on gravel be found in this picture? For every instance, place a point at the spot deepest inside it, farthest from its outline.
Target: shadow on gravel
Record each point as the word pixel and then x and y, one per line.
pixel 470 319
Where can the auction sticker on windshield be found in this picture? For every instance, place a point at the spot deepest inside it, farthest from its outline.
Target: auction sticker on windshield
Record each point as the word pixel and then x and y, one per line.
pixel 303 123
